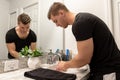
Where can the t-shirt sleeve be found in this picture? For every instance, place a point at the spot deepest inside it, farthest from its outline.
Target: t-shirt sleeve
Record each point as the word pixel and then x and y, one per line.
pixel 82 30
pixel 34 37
pixel 9 37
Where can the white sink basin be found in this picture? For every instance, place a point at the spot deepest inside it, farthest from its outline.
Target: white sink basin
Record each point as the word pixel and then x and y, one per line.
pixel 80 72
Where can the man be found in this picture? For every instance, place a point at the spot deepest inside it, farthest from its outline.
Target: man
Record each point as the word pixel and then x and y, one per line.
pixel 20 36
pixel 95 43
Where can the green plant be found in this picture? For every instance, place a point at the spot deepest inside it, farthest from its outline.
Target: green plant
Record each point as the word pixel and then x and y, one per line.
pixel 36 53
pixel 29 53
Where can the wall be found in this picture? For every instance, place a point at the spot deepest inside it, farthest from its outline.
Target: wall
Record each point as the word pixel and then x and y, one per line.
pixel 116 20
pixel 18 5
pixel 97 7
pixel 4 17
pixel 50 35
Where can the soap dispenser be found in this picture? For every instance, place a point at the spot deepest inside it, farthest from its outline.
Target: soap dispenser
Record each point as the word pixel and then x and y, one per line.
pixel 67 54
pixel 57 56
pixel 50 57
pixel 63 55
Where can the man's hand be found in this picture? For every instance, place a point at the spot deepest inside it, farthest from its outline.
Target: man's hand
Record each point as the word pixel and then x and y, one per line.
pixel 61 66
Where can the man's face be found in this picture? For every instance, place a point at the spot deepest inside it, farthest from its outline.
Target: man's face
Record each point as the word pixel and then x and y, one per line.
pixel 59 20
pixel 24 28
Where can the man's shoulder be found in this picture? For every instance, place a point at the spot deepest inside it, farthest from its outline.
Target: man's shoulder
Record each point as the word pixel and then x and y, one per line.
pixel 10 36
pixel 11 31
pixel 85 15
pixel 32 32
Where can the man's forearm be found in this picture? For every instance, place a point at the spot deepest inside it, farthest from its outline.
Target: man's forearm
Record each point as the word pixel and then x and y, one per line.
pixel 76 62
pixel 14 54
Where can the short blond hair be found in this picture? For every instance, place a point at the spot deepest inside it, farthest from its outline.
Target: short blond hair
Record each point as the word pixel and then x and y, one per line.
pixel 56 6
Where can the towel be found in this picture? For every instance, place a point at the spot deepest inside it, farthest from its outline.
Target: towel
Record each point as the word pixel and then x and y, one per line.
pixel 48 74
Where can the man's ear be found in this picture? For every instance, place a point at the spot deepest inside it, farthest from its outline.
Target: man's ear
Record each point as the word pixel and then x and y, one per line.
pixel 61 12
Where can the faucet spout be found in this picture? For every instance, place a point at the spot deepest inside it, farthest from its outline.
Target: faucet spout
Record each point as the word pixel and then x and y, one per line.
pixel 56 58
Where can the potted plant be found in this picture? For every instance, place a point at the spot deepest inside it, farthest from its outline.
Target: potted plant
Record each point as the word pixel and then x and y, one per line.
pixel 26 52
pixel 33 56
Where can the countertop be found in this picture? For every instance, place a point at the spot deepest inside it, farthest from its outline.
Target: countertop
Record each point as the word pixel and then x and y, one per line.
pixel 81 73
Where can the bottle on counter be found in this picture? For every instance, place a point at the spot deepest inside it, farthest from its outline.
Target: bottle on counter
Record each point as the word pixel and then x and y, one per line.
pixel 70 56
pixel 50 57
pixel 63 55
pixel 67 54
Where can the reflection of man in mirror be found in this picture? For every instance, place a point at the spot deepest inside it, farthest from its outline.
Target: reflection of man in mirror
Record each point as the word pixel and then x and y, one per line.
pixel 95 43
pixel 20 36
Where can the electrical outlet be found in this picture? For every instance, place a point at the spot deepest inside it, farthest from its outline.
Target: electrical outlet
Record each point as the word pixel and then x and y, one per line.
pixel 11 65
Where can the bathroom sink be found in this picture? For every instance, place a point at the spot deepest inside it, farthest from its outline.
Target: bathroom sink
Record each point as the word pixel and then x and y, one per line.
pixel 81 73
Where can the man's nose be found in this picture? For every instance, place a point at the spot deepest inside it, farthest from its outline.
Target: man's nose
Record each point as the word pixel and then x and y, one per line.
pixel 57 24
pixel 25 29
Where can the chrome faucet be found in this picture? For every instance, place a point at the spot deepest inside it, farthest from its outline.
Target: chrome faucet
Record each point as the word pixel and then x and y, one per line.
pixel 53 58
pixel 57 57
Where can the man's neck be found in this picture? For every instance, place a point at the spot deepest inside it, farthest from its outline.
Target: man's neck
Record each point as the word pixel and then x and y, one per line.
pixel 20 34
pixel 71 18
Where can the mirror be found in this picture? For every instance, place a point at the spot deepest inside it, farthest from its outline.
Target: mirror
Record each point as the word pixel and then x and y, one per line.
pixel 48 35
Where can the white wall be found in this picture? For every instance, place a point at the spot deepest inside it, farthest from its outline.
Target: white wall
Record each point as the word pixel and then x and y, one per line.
pixel 19 4
pixel 4 17
pixel 50 35
pixel 97 7
pixel 116 20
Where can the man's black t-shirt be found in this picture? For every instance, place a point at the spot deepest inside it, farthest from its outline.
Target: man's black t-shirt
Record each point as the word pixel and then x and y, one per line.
pixel 12 37
pixel 106 55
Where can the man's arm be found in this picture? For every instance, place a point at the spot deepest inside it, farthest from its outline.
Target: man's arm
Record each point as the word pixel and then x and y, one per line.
pixel 11 49
pixel 85 52
pixel 33 46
